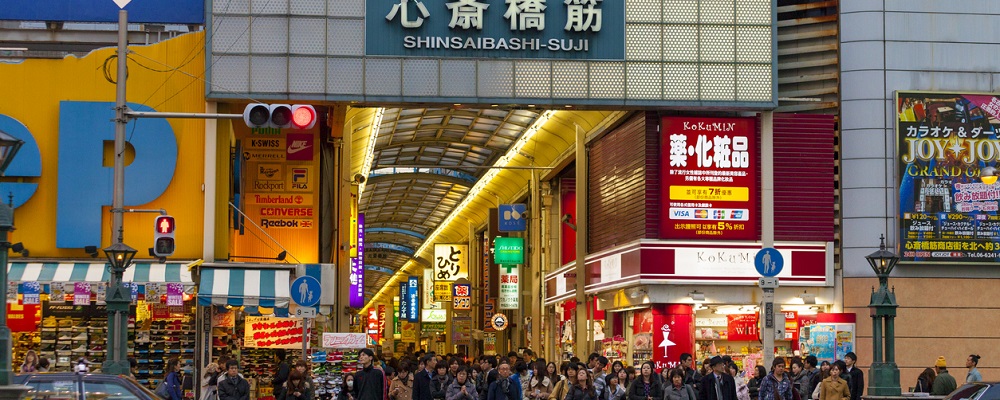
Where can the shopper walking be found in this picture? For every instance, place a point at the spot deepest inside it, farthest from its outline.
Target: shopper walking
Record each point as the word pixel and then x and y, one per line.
pixel 173 379
pixel 924 381
pixel 754 384
pixel 584 388
pixel 674 388
pixel 505 387
pixel 210 382
pixel 562 388
pixel 539 385
pixel 283 370
pixel 369 382
pixel 717 384
pixel 742 391
pixel 462 388
pixel 440 381
pixel 647 385
pixel 834 387
pixel 614 390
pixel 233 386
pixel 402 384
pixel 972 363
pixel 857 381
pixel 800 379
pixel 776 385
pixel 944 383
pixel 296 387
pixel 691 375
pixel 422 380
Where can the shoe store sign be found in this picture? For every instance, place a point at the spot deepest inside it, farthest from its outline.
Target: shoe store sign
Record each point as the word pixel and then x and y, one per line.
pixel 273 333
pixel 569 29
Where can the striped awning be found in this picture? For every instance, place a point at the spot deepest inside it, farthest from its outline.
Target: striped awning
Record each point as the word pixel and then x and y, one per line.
pixel 139 272
pixel 244 287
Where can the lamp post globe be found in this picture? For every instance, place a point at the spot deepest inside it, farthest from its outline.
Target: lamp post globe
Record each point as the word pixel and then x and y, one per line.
pixel 9 147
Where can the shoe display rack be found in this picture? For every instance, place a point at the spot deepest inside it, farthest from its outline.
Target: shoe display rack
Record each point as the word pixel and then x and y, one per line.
pixel 329 369
pixel 65 340
pixel 256 364
pixel 156 342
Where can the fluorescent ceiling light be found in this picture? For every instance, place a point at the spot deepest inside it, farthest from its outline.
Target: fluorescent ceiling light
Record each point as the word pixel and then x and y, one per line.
pixel 366 167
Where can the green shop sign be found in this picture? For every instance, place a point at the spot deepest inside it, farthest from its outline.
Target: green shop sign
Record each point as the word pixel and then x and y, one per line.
pixel 508 250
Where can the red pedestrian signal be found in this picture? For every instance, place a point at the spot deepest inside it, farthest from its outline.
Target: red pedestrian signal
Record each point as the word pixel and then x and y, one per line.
pixel 164 245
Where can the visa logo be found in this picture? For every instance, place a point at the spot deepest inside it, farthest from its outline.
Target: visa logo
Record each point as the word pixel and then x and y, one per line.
pixel 682 213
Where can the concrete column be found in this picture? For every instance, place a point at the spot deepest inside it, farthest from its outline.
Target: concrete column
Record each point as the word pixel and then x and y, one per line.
pixel 211 160
pixel 582 322
pixel 767 217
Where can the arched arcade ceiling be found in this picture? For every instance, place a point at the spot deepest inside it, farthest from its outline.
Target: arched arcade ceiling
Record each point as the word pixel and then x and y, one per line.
pixel 422 164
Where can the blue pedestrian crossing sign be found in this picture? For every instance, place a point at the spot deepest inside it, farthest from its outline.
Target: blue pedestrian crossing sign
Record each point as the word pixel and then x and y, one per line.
pixel 306 291
pixel 768 262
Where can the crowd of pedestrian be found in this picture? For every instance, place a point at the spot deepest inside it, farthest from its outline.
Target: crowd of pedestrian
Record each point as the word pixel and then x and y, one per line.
pixel 429 376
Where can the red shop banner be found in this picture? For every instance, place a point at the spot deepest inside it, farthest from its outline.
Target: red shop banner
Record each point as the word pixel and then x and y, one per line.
pixel 23 318
pixel 710 174
pixel 673 334
pixel 742 327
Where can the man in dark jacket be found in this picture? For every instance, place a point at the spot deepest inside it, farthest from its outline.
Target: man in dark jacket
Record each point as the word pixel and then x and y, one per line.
pixel 369 382
pixel 422 379
pixel 691 375
pixel 233 386
pixel 717 384
pixel 857 381
pixel 504 388
pixel 489 375
pixel 281 375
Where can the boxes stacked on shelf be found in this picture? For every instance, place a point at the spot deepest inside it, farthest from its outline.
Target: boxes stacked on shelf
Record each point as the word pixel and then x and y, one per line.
pixel 66 340
pixel 22 343
pixel 159 341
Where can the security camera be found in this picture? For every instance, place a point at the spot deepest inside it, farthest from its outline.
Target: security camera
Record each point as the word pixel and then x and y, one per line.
pixel 358 178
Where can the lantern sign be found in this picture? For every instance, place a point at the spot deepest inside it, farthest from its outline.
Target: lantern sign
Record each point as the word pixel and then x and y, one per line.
pixel 451 261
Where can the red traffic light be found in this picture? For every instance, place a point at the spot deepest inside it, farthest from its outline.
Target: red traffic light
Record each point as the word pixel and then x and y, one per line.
pixel 303 116
pixel 164 224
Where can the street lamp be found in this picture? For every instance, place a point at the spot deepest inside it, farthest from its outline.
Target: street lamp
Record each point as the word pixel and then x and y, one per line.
pixel 9 146
pixel 118 300
pixel 884 373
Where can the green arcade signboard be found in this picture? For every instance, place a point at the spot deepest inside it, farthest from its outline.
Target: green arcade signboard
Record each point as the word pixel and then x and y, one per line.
pixel 508 250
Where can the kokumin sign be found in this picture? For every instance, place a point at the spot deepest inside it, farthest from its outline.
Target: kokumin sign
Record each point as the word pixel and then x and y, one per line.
pixel 590 29
pixel 947 210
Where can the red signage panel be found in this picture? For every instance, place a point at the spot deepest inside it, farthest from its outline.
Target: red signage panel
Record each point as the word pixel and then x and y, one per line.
pixel 742 327
pixel 709 171
pixel 673 334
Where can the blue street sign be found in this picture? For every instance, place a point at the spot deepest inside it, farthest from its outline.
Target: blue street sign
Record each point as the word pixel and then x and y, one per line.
pixel 768 262
pixel 306 291
pixel 512 218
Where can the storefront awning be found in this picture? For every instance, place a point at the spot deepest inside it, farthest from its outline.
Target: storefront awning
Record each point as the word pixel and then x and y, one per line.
pixel 244 287
pixel 139 272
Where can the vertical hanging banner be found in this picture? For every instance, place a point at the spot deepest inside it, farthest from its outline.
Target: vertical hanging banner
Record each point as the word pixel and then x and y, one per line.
pixel 710 174
pixel 396 318
pixel 451 262
pixel 427 286
pixel 353 229
pixel 381 323
pixel 175 294
pixel 81 293
pixel 32 293
pixel 404 301
pixel 357 296
pixel 509 287
pixel 373 326
pixel 413 292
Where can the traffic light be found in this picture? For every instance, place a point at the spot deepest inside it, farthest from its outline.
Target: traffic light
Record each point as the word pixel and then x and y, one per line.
pixel 299 116
pixel 163 245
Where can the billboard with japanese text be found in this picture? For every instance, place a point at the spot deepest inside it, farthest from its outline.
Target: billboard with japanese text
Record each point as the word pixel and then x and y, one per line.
pixel 581 29
pixel 710 173
pixel 946 143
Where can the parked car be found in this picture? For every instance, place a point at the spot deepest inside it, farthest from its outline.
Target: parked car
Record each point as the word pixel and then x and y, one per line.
pixel 976 391
pixel 70 386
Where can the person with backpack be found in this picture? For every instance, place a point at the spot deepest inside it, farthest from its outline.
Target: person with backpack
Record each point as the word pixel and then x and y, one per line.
pixel 170 387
